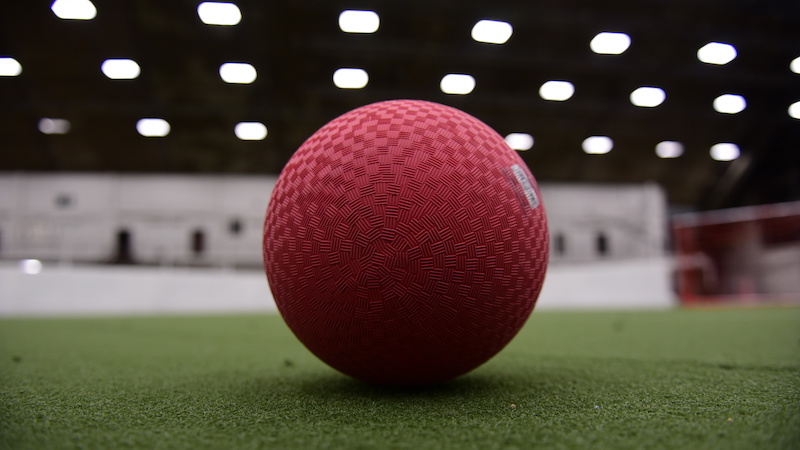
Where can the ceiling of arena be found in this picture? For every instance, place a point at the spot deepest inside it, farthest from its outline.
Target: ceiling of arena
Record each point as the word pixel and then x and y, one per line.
pixel 295 47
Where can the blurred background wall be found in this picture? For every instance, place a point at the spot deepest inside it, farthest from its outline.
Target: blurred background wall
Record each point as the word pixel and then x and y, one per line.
pixel 127 243
pixel 216 221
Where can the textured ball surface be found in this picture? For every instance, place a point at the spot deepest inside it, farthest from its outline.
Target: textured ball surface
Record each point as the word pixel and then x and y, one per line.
pixel 405 243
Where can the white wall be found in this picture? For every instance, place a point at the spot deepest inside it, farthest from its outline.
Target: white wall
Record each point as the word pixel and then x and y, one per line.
pixel 111 290
pixel 622 284
pixel 632 217
pixel 108 290
pixel 162 212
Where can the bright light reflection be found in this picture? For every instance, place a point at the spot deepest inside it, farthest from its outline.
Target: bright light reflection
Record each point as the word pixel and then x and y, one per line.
pixel 492 31
pixel 597 145
pixel 457 83
pixel 250 131
pixel 120 69
pixel 240 73
pixel 350 78
pixel 794 110
pixel 725 151
pixel 610 43
pixel 557 90
pixel 648 97
pixel 216 13
pixel 794 66
pixel 520 141
pixel 153 127
pixel 730 104
pixel 716 53
pixel 10 67
pixel 30 266
pixel 54 126
pixel 354 21
pixel 669 149
pixel 74 9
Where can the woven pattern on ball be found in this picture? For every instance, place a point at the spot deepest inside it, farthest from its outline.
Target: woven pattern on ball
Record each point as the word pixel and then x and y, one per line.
pixel 401 247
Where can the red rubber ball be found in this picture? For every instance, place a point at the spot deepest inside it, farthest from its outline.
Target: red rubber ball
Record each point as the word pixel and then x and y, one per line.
pixel 405 243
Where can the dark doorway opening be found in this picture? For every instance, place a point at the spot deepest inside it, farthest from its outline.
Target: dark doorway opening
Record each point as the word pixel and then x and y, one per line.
pixel 560 244
pixel 602 244
pixel 123 253
pixel 198 242
pixel 235 227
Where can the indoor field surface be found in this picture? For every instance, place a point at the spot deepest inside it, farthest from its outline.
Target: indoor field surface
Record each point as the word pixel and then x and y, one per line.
pixel 640 380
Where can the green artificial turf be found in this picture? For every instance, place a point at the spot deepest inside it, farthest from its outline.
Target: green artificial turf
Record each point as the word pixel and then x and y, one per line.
pixel 676 379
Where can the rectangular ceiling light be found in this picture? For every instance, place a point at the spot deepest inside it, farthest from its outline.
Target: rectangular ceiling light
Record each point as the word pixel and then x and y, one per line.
pixel 218 13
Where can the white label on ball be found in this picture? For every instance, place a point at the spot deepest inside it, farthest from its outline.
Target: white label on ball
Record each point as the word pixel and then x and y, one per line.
pixel 530 193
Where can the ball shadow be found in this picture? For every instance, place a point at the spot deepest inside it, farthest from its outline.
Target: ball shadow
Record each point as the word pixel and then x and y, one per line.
pixel 485 383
